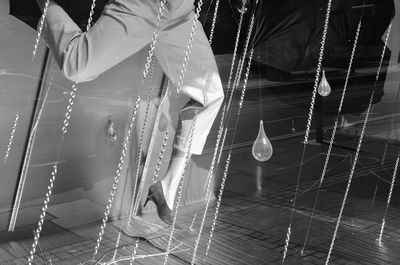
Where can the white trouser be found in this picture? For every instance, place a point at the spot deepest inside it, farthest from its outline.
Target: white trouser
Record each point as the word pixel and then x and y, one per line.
pixel 124 28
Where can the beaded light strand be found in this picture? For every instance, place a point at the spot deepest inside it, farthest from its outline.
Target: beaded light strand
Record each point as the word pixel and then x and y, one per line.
pixel 41 24
pixel 91 13
pixel 64 130
pixel 319 65
pixel 210 38
pixel 211 170
pixel 43 17
pixel 116 177
pixel 139 154
pixel 160 156
pixel 324 170
pixel 368 112
pixel 308 128
pixel 236 81
pixel 154 39
pixel 134 251
pixel 180 189
pixel 148 65
pixel 235 49
pixel 215 153
pixel 179 87
pixel 233 63
pixel 158 166
pixel 150 58
pixel 10 140
pixel 189 46
pixel 225 105
pixel 116 246
pixel 228 160
pixel 388 200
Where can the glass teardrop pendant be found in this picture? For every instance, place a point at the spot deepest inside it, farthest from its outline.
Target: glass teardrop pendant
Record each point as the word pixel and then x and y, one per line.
pixel 243 6
pixel 324 89
pixel 262 148
pixel 111 132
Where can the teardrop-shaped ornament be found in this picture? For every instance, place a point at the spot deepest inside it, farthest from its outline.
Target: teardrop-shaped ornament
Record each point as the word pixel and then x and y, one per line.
pixel 324 89
pixel 262 148
pixel 111 132
pixel 243 6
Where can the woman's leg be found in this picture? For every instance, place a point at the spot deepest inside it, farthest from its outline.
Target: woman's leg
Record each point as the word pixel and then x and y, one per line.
pixel 201 84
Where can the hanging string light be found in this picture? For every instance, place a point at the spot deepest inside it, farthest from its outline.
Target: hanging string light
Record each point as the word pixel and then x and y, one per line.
pixel 308 128
pixel 148 65
pixel 228 160
pixel 189 46
pixel 10 140
pixel 39 32
pixel 180 82
pixel 134 251
pixel 160 156
pixel 116 177
pixel 226 105
pixel 180 189
pixel 64 130
pixel 210 38
pixel 211 170
pixel 238 76
pixel 139 153
pixel 388 199
pixel 328 154
pixel 220 127
pixel 262 148
pixel 368 112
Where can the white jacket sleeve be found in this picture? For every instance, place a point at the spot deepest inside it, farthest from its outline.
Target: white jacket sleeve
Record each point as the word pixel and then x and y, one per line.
pixel 82 56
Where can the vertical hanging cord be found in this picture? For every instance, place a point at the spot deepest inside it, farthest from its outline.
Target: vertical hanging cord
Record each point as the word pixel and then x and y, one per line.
pixel 211 171
pixel 64 130
pixel 236 83
pixel 309 119
pixel 189 46
pixel 226 105
pixel 388 199
pixel 358 148
pixel 324 170
pixel 10 140
pixel 39 32
pixel 149 64
pixel 116 178
pixel 180 189
pixel 210 38
pixel 228 160
pixel 46 201
pixel 259 65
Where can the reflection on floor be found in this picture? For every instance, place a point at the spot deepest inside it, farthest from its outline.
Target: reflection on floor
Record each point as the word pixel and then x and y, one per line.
pixel 253 217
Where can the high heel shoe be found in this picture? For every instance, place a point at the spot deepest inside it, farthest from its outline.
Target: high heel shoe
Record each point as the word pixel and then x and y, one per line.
pixel 156 195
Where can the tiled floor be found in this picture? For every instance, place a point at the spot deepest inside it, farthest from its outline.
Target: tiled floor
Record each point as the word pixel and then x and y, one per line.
pixel 254 216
